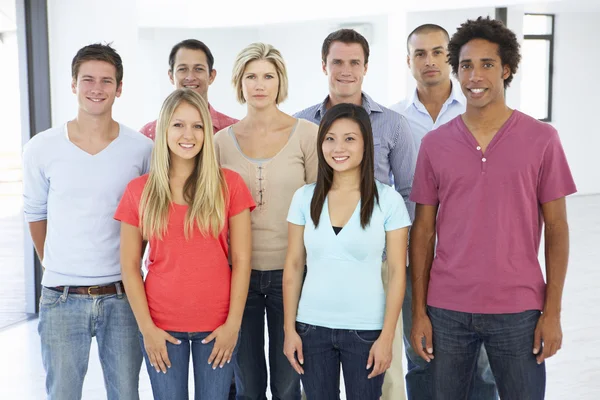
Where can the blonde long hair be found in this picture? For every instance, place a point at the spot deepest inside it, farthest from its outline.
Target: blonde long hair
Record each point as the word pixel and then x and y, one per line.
pixel 204 191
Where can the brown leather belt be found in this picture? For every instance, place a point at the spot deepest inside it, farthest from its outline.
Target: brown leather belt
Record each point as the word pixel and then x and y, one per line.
pixel 91 290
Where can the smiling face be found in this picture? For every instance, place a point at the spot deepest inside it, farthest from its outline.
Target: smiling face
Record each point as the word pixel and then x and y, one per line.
pixel 428 58
pixel 343 146
pixel 190 70
pixel 185 135
pixel 96 87
pixel 345 69
pixel 481 73
pixel 260 83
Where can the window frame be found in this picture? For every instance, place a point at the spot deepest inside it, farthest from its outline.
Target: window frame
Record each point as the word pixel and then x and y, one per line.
pixel 550 38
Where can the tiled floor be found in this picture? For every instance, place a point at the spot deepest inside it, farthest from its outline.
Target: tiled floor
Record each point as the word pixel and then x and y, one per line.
pixel 574 373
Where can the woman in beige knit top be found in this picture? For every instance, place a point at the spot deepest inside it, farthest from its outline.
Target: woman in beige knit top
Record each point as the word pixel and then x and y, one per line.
pixel 275 154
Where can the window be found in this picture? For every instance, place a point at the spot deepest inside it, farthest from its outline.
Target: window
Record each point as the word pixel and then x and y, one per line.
pixel 537 66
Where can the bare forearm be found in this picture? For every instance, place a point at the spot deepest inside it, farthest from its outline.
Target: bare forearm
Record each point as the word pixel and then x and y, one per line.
pixel 557 255
pixel 394 298
pixel 421 249
pixel 136 295
pixel 38 236
pixel 240 281
pixel 293 274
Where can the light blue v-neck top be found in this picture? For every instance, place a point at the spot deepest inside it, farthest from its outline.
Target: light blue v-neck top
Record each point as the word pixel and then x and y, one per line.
pixel 343 287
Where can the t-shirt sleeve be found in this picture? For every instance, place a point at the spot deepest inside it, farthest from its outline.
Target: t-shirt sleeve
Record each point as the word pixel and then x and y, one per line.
pixel 555 180
pixel 128 209
pixel 424 187
pixel 396 214
pixel 297 211
pixel 35 185
pixel 240 197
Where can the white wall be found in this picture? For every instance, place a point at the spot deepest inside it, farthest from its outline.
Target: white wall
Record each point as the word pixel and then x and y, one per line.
pixel 575 99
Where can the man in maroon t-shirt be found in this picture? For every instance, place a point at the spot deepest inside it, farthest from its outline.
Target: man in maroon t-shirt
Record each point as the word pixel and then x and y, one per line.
pixel 488 182
pixel 191 66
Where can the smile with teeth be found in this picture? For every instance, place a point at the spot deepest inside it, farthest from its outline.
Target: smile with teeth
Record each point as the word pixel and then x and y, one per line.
pixel 340 159
pixel 187 145
pixel 95 100
pixel 191 86
pixel 477 90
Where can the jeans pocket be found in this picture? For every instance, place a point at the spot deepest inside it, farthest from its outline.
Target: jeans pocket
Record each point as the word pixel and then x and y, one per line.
pixel 302 328
pixel 49 298
pixel 367 336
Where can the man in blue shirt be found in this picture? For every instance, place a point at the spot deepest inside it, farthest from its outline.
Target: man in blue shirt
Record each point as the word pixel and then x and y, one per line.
pixel 435 101
pixel 73 178
pixel 345 60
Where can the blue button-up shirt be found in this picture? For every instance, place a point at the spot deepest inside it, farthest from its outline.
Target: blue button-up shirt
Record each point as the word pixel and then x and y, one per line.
pixel 418 117
pixel 395 149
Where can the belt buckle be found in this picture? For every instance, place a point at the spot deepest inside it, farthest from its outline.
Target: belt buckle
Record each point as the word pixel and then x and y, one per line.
pixel 90 288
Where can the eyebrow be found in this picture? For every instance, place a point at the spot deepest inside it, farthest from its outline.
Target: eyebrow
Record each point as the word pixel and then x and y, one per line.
pixel 435 48
pixel 194 65
pixel 353 59
pixel 468 60
pixel 345 134
pixel 103 77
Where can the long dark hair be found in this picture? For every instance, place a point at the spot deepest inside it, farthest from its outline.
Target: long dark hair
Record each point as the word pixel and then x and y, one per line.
pixel 368 189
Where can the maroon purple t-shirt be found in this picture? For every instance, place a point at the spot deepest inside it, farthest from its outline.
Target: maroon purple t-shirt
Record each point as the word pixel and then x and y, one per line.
pixel 489 221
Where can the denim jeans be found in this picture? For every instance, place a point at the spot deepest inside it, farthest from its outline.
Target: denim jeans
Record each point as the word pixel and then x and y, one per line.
pixel 209 383
pixel 325 349
pixel 508 339
pixel 419 381
pixel 66 326
pixel 265 292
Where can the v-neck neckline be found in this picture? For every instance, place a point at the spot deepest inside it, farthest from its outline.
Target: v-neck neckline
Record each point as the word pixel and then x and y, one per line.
pixel 345 226
pixel 85 153
pixel 497 136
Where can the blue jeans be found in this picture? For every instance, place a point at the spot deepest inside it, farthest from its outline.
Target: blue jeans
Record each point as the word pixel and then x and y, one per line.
pixel 265 292
pixel 508 339
pixel 324 349
pixel 66 327
pixel 419 380
pixel 209 383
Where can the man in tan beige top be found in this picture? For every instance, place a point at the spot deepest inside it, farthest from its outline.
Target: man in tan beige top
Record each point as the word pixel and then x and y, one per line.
pixel 275 154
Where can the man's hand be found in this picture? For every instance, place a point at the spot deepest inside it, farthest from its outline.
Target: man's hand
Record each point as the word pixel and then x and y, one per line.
pixel 547 337
pixel 422 330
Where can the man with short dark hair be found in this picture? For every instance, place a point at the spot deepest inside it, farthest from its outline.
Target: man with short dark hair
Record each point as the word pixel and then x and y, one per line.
pixel 73 178
pixel 191 66
pixel 345 58
pixel 435 101
pixel 488 182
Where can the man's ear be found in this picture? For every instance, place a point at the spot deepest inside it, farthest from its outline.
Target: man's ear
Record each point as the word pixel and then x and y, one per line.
pixel 212 76
pixel 119 89
pixel 74 85
pixel 324 67
pixel 171 77
pixel 506 72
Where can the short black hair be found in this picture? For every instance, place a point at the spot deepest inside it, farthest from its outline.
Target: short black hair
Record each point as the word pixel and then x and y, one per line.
pixel 426 28
pixel 98 52
pixel 191 44
pixel 493 31
pixel 347 36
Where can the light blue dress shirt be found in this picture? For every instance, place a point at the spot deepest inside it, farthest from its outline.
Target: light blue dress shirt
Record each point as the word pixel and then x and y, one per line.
pixel 419 119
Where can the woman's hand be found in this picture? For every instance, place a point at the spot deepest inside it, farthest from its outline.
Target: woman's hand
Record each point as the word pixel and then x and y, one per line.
pixel 380 356
pixel 292 346
pixel 225 338
pixel 155 343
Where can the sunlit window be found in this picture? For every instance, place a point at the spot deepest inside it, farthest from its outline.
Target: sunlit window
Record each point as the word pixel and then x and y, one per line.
pixel 537 65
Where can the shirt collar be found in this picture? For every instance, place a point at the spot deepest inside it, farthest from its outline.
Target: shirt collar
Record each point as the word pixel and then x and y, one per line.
pixel 456 95
pixel 367 102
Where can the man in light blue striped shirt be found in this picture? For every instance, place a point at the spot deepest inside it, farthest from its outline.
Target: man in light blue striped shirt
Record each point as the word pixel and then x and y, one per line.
pixel 345 58
pixel 435 101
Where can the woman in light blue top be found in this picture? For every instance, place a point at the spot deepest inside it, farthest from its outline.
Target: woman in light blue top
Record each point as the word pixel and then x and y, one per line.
pixel 344 222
